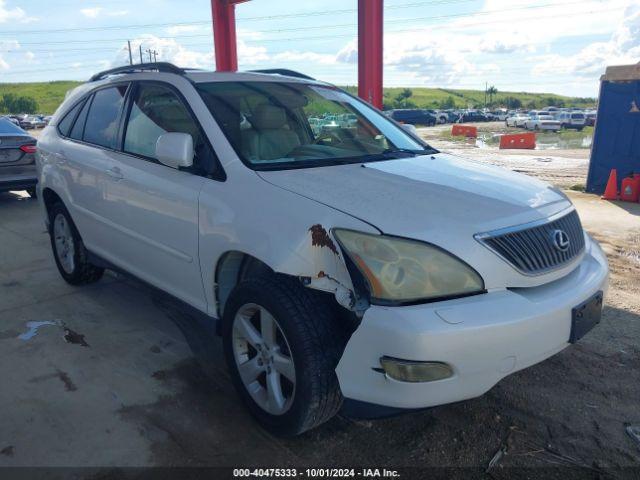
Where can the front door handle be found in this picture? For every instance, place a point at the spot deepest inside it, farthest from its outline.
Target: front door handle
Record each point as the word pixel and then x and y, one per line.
pixel 115 173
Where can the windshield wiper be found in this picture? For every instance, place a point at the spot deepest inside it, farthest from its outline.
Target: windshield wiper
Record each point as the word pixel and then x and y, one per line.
pixel 414 152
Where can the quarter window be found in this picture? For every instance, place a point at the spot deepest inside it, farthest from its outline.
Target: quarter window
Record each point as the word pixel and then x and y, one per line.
pixel 65 124
pixel 104 114
pixel 78 127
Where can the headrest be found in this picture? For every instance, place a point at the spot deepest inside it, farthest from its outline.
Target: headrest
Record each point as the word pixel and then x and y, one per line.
pixel 268 117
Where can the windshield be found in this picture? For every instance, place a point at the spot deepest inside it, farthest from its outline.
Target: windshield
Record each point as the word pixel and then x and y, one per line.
pixel 277 125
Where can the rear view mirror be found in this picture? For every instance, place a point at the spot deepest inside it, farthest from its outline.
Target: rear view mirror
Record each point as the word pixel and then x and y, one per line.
pixel 175 149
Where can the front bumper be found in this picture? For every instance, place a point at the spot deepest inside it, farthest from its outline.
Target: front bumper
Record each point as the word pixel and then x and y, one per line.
pixel 484 338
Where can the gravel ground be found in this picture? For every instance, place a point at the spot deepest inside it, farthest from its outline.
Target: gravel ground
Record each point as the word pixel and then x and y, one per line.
pixel 563 167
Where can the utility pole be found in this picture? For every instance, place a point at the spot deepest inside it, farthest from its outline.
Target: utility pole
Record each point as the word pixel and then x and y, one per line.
pixel 486 84
pixel 151 52
pixel 130 56
pixel 155 57
pixel 140 48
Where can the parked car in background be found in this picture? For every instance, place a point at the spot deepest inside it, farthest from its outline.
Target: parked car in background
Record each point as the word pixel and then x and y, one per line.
pixel 499 115
pixel 517 120
pixel 27 122
pixel 472 116
pixel 17 159
pixel 11 119
pixel 357 268
pixel 413 116
pixel 590 118
pixel 542 121
pixel 442 117
pixel 39 121
pixel 575 120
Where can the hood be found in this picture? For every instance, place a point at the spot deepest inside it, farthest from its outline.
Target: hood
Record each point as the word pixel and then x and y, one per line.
pixel 429 197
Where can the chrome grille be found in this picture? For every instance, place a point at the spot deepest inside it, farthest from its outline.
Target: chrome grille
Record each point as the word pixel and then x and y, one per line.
pixel 531 249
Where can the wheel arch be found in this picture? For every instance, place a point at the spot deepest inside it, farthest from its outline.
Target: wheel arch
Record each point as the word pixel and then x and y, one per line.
pixel 49 198
pixel 231 268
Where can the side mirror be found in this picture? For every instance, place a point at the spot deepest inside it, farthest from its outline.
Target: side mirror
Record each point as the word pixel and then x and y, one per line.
pixel 175 150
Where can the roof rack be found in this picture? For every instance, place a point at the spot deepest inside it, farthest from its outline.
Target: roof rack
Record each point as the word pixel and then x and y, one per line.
pixel 283 71
pixel 141 67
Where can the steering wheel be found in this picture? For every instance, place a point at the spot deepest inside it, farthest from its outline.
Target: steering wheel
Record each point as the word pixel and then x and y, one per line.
pixel 325 136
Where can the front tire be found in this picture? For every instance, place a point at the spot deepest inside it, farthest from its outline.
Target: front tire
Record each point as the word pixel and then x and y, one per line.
pixel 282 350
pixel 68 250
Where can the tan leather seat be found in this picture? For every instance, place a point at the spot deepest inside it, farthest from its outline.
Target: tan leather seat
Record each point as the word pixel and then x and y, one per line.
pixel 270 137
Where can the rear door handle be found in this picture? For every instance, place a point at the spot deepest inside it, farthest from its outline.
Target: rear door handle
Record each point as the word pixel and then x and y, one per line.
pixel 115 173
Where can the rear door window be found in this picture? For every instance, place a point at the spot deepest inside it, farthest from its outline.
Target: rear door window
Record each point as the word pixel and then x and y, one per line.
pixel 103 119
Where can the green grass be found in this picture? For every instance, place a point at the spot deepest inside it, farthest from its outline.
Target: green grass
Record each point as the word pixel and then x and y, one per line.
pixel 49 95
pixel 570 134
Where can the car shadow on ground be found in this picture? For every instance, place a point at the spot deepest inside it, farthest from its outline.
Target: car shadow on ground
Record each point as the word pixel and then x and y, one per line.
pixel 569 411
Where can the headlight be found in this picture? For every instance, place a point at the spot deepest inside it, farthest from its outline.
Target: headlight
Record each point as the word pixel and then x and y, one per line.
pixel 405 271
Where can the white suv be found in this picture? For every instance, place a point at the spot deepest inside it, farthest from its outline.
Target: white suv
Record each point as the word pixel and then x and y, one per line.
pixel 350 266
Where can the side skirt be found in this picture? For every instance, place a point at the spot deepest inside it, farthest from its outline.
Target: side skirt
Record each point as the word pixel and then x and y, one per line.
pixel 168 302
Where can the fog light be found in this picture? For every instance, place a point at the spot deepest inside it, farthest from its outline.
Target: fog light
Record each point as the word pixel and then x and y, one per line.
pixel 412 371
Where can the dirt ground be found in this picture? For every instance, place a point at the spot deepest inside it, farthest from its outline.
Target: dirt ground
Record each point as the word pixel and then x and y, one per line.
pixel 149 389
pixel 551 161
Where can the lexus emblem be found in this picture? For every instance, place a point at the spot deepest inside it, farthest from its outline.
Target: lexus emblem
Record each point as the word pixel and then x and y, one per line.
pixel 560 240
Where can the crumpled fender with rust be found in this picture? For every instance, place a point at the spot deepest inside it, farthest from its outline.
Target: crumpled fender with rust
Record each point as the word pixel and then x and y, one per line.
pixel 290 233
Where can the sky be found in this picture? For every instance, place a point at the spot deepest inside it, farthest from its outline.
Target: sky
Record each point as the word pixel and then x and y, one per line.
pixel 553 46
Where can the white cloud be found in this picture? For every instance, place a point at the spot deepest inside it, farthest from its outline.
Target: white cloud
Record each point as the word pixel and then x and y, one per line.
pixel 91 12
pixel 96 12
pixel 168 50
pixel 178 29
pixel 310 57
pixel 591 61
pixel 5 46
pixel 15 14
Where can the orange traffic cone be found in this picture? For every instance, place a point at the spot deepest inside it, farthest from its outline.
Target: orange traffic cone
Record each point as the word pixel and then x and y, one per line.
pixel 611 192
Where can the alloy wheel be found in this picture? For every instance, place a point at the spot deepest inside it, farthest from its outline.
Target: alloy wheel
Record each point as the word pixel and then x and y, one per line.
pixel 65 244
pixel 263 358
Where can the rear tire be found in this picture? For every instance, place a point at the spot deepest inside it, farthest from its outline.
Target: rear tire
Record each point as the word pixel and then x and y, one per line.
pixel 305 346
pixel 68 250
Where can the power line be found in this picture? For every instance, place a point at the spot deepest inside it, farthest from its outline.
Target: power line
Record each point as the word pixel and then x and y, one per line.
pixel 318 37
pixel 208 22
pixel 195 23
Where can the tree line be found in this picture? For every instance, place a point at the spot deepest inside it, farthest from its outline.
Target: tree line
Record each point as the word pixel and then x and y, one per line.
pixel 12 103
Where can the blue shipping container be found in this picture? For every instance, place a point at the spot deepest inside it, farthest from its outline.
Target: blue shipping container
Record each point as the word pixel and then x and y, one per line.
pixel 616 140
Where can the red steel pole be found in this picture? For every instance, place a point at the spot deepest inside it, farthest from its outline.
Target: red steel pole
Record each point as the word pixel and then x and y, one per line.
pixel 370 51
pixel 224 34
